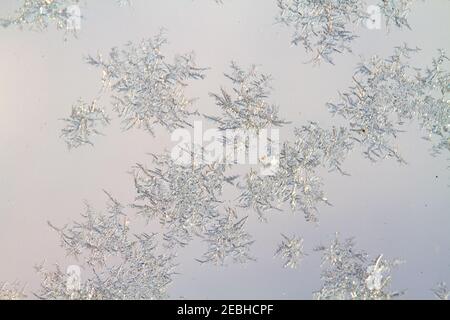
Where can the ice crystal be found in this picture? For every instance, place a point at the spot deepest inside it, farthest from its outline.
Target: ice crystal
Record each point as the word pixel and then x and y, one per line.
pixel 396 12
pixel 146 88
pixel 40 14
pixel 123 266
pixel 350 274
pixel 247 108
pixel 322 27
pixel 296 181
pixel 12 291
pixel 389 92
pixel 441 291
pixel 83 123
pixel 227 238
pixel 291 251
pixel 434 111
pixel 327 27
pixel 184 198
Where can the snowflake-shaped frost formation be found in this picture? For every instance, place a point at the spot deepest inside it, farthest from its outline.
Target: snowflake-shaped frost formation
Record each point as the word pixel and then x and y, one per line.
pixel 184 198
pixel 322 27
pixel 350 274
pixel 389 92
pixel 295 180
pixel 247 107
pixel 146 88
pixel 123 266
pixel 291 251
pixel 40 14
pixel 227 238
pixel 327 27
pixel 396 12
pixel 83 124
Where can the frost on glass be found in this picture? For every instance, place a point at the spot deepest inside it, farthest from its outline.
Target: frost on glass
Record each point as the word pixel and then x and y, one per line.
pixel 185 199
pixel 349 274
pixel 323 27
pixel 40 14
pixel 146 88
pixel 246 107
pixel 117 264
pixel 328 27
pixel 387 93
pixel 441 291
pixel 13 291
pixel 296 180
pixel 396 12
pixel 290 251
pixel 227 239
pixel 434 112
pixel 83 124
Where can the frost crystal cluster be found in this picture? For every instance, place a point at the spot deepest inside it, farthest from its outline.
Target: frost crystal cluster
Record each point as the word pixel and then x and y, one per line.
pixel 247 107
pixel 227 238
pixel 40 14
pixel 123 266
pixel 296 181
pixel 83 124
pixel 327 27
pixel 322 27
pixel 389 92
pixel 434 112
pixel 184 198
pixel 291 251
pixel 348 274
pixel 11 291
pixel 396 12
pixel 146 88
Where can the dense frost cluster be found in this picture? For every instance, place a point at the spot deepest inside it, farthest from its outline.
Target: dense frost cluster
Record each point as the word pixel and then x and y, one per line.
pixel 327 27
pixel 118 264
pixel 291 251
pixel 322 27
pixel 296 180
pixel 83 124
pixel 146 88
pixel 246 108
pixel 389 92
pixel 434 108
pixel 349 274
pixel 40 14
pixel 185 199
pixel 396 12
pixel 227 238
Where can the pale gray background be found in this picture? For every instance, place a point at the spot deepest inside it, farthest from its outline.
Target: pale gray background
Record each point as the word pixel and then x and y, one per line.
pixel 401 211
